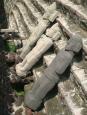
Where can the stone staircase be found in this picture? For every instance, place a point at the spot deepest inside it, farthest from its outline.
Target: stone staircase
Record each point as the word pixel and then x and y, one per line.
pixel 71 92
pixel 27 14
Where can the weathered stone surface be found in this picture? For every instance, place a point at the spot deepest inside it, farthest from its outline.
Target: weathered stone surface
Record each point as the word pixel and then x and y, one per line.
pixel 80 2
pixel 74 44
pixel 64 55
pixel 48 79
pixel 51 13
pixel 54 32
pixel 77 1
pixel 58 45
pixel 80 76
pixel 85 45
pixel 18 43
pixel 33 12
pixel 71 96
pixel 9 31
pixel 28 87
pixel 10 57
pixel 48 58
pixel 42 46
pixel 20 23
pixel 36 95
pixel 12 22
pixel 36 74
pixel 15 108
pixel 57 104
pixel 35 9
pixel 76 12
pixel 40 5
pixel 61 62
pixel 25 15
pixel 24 64
pixel 71 29
pixel 9 4
pixel 69 93
pixel 34 37
pixel 39 30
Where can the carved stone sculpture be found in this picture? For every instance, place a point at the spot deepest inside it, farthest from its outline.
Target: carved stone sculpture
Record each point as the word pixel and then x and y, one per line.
pixel 42 46
pixel 48 17
pixel 35 54
pixel 52 74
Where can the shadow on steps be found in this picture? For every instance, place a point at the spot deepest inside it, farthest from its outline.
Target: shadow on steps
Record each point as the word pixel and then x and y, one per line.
pixel 5 88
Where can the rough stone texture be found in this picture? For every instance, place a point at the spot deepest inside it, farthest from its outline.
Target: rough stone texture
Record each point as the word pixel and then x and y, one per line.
pixel 70 95
pixel 9 4
pixel 72 46
pixel 58 45
pixel 85 45
pixel 54 32
pixel 68 90
pixel 46 58
pixel 55 104
pixel 80 2
pixel 25 15
pixel 39 30
pixel 34 37
pixel 42 46
pixel 77 13
pixel 49 78
pixel 80 76
pixel 71 29
pixel 59 64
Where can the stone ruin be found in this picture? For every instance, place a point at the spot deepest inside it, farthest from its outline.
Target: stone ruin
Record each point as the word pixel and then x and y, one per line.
pixel 43 28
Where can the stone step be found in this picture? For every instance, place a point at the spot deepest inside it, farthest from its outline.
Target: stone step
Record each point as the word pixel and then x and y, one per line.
pixel 70 94
pixel 23 19
pixel 80 76
pixel 71 29
pixel 32 11
pixel 23 11
pixel 80 2
pixel 77 12
pixel 22 29
pixel 49 1
pixel 12 23
pixel 40 5
pixel 8 30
